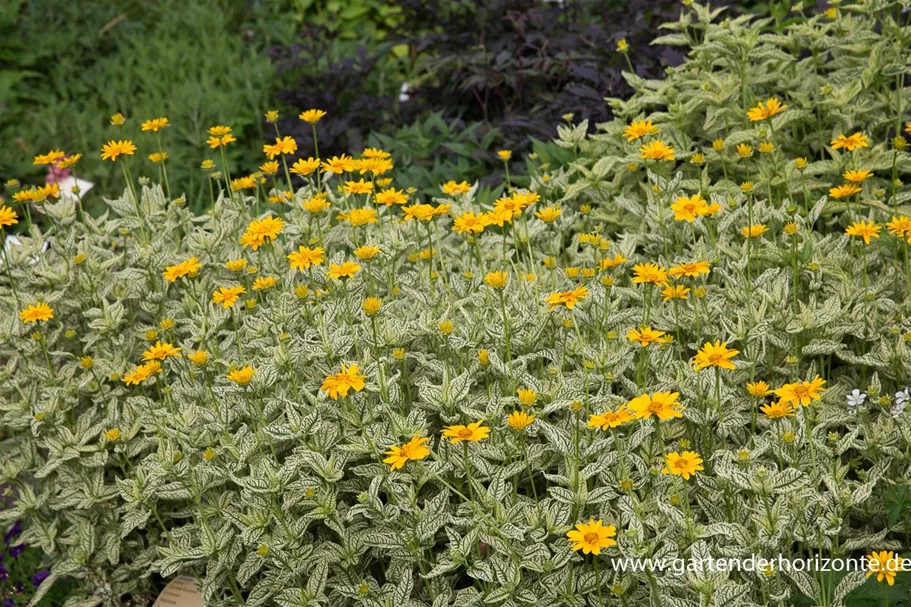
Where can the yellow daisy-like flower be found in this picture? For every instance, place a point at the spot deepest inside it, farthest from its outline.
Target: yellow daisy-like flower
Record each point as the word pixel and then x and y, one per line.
pixel 39 312
pixel 496 280
pixel 844 190
pixel 346 269
pixel 758 389
pixel 715 355
pixel 689 208
pixel 154 125
pixel 366 252
pixel 764 111
pixel 220 136
pixel 690 270
pixel 645 336
pixel 857 175
pixel 548 214
pixel 305 167
pixel 451 188
pixel 610 419
pixel 519 420
pixel 638 129
pixel 161 351
pixel 674 292
pixel 802 393
pixel 228 296
pixel 8 216
pixel 662 405
pixel 649 273
pixel 264 283
pixel 527 397
pixel 850 143
pixel 282 146
pixel 390 197
pixel 469 223
pixel 114 149
pixel 754 231
pixel 312 116
pixel 591 537
pixel 863 229
pixel 341 383
pixel 189 267
pixel 304 257
pixel 656 150
pixel 684 464
pixel 414 449
pixel 567 298
pixel 242 376
pixel 198 357
pixel 472 432
pixel 884 565
pixel 777 410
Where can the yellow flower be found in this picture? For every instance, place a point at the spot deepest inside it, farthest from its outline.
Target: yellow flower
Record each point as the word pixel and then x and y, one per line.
pixel 269 168
pixel 158 157
pixel 358 217
pixel 863 229
pixel 674 292
pixel 591 537
pixel 656 150
pixel 305 167
pixel 844 191
pixel 649 273
pixel 519 420
pixel 112 434
pixel 341 383
pixel 610 419
pixel 154 125
pixel 645 336
pixel 884 565
pixel 452 188
pixel 312 116
pixel 639 128
pixel 802 392
pixel 445 327
pixel 744 150
pixel 691 270
pixel 51 157
pixel 900 226
pixel 366 252
pixel 764 111
pixel 39 312
pixel 236 265
pixel 548 214
pixel 800 163
pixel 527 397
pixel 472 432
pixel 264 283
pixel 220 136
pixel 228 296
pixel 118 119
pixel 688 208
pixel 777 410
pixel 622 45
pixel 8 216
pixel 851 143
pixel 663 405
pixel 316 205
pixel 199 357
pixel 857 175
pixel 391 196
pixel 271 116
pixel 697 158
pixel 484 356
pixel 358 187
pixel 242 376
pixel 209 454
pixel 504 155
pixel 718 145
pixel 161 351
pixel 304 257
pixel 345 270
pixel 86 362
pixel 189 267
pixel 766 147
pixel 372 305
pixel 754 231
pixel 496 280
pixel 567 298
pixel 715 355
pixel 412 450
pixel 684 464
pixel 112 149
pixel 261 231
pixel 758 389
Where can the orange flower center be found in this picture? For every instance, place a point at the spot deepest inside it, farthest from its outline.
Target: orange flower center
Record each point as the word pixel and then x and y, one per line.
pixel 591 538
pixel 465 433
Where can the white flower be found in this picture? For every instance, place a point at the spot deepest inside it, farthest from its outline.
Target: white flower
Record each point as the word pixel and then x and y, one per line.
pixel 901 401
pixel 855 400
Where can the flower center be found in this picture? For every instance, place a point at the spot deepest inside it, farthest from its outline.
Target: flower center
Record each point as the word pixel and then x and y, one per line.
pixel 591 538
pixel 465 433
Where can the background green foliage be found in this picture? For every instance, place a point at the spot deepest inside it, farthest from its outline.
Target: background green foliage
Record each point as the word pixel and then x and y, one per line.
pixel 71 65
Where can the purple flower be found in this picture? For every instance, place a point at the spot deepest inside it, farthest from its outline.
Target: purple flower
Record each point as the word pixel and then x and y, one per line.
pixel 16 550
pixel 8 603
pixel 15 530
pixel 3 574
pixel 40 577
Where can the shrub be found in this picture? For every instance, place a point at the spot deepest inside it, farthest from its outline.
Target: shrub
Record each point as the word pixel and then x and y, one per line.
pixel 435 402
